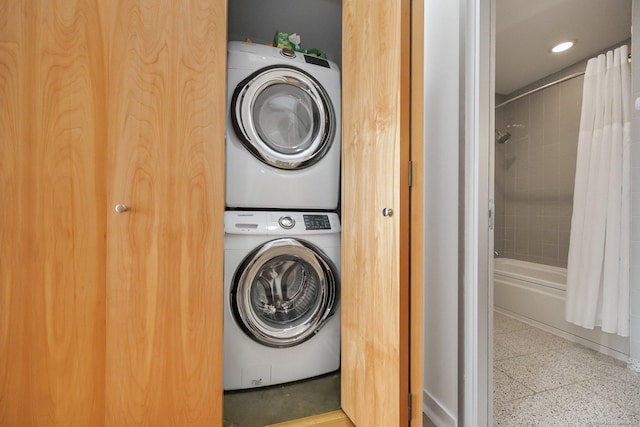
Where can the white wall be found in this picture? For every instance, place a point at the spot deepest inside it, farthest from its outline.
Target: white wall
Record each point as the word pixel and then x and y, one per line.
pixel 442 121
pixel 319 22
pixel 634 261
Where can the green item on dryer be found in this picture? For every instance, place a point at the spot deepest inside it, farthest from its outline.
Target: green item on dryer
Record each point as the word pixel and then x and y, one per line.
pixel 315 52
pixel 289 40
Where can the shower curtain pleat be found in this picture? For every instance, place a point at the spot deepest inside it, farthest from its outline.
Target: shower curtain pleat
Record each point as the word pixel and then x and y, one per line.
pixel 598 264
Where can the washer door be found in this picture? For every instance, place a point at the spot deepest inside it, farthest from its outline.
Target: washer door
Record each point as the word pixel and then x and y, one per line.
pixel 284 292
pixel 284 117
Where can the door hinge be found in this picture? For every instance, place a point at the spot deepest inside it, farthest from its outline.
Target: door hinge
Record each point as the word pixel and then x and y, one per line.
pixel 492 214
pixel 410 406
pixel 410 173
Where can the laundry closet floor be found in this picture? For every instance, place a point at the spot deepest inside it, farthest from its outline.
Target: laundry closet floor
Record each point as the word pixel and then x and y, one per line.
pixel 270 405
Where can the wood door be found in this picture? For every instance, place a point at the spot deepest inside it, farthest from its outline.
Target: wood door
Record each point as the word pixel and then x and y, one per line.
pixel 52 224
pixel 166 87
pixel 375 261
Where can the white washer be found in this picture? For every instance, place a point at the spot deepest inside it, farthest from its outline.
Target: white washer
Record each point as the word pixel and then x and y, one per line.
pixel 282 288
pixel 283 129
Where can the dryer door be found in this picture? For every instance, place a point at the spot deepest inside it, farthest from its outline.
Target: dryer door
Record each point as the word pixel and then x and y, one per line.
pixel 284 292
pixel 284 117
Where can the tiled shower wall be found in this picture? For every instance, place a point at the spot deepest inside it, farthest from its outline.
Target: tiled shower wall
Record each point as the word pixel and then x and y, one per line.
pixel 534 174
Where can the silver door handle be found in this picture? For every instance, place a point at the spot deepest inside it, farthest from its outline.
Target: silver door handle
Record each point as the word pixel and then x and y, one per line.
pixel 387 212
pixel 120 208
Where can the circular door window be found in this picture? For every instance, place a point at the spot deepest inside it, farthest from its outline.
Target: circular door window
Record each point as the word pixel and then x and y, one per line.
pixel 284 292
pixel 284 117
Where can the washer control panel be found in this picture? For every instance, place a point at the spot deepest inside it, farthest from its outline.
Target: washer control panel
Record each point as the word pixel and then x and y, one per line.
pixel 316 222
pixel 276 223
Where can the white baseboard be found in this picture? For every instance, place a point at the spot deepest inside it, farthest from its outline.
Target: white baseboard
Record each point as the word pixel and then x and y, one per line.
pixel 436 412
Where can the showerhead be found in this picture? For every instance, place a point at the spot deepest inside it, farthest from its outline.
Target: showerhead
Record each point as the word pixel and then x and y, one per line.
pixel 502 136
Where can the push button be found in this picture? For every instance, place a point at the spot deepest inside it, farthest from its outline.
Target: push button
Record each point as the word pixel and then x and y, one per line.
pixel 287 222
pixel 288 52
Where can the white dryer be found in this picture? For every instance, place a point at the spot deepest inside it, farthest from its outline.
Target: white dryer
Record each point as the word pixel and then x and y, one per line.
pixel 282 288
pixel 283 129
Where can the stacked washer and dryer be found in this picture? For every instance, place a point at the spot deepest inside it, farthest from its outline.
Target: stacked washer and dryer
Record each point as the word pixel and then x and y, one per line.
pixel 282 230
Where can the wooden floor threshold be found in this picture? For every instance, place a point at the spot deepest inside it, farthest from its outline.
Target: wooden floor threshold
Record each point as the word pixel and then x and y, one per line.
pixel 330 419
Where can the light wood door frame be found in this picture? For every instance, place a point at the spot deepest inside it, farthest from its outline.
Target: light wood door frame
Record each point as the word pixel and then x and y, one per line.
pixel 416 362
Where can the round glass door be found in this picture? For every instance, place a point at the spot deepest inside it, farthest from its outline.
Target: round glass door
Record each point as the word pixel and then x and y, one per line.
pixel 284 292
pixel 284 117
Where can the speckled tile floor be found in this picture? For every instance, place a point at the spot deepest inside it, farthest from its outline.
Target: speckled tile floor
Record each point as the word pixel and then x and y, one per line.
pixel 544 380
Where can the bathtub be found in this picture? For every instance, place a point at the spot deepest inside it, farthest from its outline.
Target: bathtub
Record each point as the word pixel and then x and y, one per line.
pixel 535 294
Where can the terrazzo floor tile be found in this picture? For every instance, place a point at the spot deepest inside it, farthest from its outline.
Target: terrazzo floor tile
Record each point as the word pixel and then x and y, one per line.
pixel 501 352
pixel 545 370
pixel 605 365
pixel 503 323
pixel 531 410
pixel 623 393
pixel 517 343
pixel 528 341
pixel 571 384
pixel 627 375
pixel 583 406
pixel 506 388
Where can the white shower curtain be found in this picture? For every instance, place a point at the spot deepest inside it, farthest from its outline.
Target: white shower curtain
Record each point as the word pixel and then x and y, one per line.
pixel 598 265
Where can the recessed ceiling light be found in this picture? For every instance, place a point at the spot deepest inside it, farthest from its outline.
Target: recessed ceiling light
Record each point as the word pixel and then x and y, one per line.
pixel 562 47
